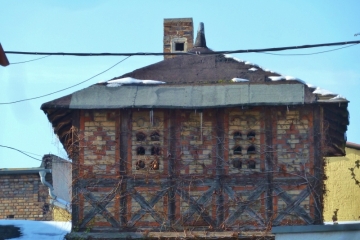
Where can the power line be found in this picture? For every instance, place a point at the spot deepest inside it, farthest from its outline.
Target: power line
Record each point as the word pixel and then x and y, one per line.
pixel 304 54
pixel 27 99
pixel 20 152
pixel 184 53
pixel 29 60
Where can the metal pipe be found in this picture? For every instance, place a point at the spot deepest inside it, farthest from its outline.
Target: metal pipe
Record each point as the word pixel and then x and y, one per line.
pixel 59 202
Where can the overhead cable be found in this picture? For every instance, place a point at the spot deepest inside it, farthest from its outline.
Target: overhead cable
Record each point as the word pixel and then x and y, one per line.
pixel 27 99
pixel 184 53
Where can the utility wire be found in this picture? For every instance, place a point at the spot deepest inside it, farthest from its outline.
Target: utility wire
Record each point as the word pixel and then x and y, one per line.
pixel 20 152
pixel 303 54
pixel 30 60
pixel 184 53
pixel 27 99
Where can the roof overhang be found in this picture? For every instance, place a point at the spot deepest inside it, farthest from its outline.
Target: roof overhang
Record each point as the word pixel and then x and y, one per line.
pixel 3 59
pixel 182 96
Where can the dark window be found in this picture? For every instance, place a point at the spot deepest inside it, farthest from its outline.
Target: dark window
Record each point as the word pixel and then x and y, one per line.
pixel 251 150
pixel 155 136
pixel 251 136
pixel 140 164
pixel 237 163
pixel 10 216
pixel 179 46
pixel 46 208
pixel 140 136
pixel 155 150
pixel 154 165
pixel 140 151
pixel 237 150
pixel 251 164
pixel 237 135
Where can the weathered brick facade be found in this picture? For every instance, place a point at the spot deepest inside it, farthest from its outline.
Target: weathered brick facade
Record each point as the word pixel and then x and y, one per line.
pixel 256 146
pixel 22 196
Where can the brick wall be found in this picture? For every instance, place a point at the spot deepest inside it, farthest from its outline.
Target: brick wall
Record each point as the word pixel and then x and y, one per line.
pixel 177 30
pixel 195 135
pixel 22 196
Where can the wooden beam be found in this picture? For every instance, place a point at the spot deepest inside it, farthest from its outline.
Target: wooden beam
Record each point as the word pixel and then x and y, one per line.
pixel 125 134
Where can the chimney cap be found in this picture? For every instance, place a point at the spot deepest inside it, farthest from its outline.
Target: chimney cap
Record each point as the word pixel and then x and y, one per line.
pixel 200 41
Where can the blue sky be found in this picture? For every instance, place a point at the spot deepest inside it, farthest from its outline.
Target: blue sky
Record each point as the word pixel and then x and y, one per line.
pixel 137 26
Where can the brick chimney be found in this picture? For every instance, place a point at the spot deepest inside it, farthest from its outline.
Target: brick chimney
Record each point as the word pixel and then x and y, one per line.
pixel 178 35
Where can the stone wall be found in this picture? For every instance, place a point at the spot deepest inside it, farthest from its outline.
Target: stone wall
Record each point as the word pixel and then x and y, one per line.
pixel 22 196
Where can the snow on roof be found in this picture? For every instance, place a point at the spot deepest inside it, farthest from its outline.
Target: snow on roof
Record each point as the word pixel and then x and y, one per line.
pixel 239 80
pixel 323 92
pixel 44 230
pixel 236 59
pixel 130 80
pixel 253 69
pixel 338 97
pixel 277 78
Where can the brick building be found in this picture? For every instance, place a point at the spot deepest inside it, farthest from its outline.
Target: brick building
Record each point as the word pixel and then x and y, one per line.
pixel 27 193
pixel 213 144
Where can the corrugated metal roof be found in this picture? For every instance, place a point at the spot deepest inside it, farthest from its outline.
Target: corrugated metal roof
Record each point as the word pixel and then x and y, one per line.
pixel 186 96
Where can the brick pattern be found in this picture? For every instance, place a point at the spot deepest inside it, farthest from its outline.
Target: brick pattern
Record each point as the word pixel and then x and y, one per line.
pixel 177 28
pixel 99 143
pixel 293 141
pixel 244 123
pixel 143 122
pixel 24 197
pixel 196 148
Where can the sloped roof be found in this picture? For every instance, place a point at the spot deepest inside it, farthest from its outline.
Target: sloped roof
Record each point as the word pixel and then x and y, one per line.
pixel 200 81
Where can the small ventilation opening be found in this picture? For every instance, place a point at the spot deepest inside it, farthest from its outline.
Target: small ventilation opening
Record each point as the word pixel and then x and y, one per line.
pixel 10 216
pixel 46 208
pixel 140 164
pixel 237 150
pixel 154 165
pixel 140 136
pixel 155 150
pixel 179 46
pixel 251 164
pixel 251 136
pixel 140 151
pixel 237 163
pixel 237 135
pixel 251 150
pixel 155 136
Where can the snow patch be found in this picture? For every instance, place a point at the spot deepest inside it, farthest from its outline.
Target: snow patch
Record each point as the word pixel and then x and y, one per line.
pixel 253 69
pixel 252 64
pixel 44 230
pixel 288 78
pixel 236 59
pixel 338 97
pixel 322 92
pixel 277 78
pixel 239 80
pixel 130 80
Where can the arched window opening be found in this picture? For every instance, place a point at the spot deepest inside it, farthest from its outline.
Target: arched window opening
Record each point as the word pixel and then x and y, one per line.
pixel 140 136
pixel 154 165
pixel 237 135
pixel 155 136
pixel 155 150
pixel 140 151
pixel 140 164
pixel 251 150
pixel 237 150
pixel 251 136
pixel 251 164
pixel 237 163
